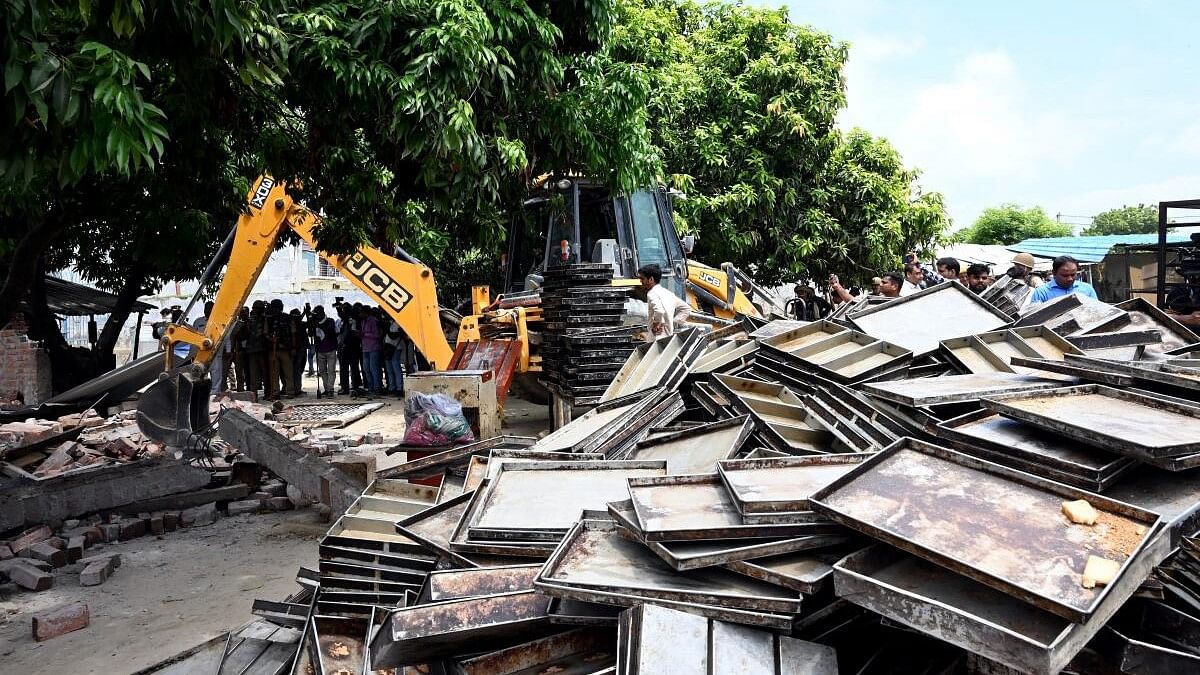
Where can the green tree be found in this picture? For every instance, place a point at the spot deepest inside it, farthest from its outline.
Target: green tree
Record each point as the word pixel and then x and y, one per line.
pixel 743 107
pixel 1140 219
pixel 1009 223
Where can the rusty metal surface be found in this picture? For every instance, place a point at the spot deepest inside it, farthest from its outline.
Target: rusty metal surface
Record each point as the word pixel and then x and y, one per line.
pixel 460 541
pixel 696 450
pixel 1002 527
pixel 653 640
pixel 584 651
pixel 1111 419
pixel 455 584
pixel 434 527
pixel 963 612
pixel 414 635
pixel 786 420
pixel 594 557
pixel 541 500
pixel 781 485
pixel 1174 496
pixel 693 555
pixel 498 457
pixel 840 354
pixel 434 464
pixel 677 508
pixel 956 388
pixel 1004 440
pixel 1144 373
pixel 339 644
pixel 1144 315
pixel 906 321
pixel 568 612
pixel 808 572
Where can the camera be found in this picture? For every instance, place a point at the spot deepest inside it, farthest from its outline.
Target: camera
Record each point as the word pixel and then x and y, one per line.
pixel 1187 260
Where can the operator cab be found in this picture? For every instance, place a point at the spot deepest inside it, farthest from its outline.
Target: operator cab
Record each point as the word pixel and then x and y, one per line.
pixel 571 221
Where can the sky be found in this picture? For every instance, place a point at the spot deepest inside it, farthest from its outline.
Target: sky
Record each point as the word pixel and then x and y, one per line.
pixel 1077 107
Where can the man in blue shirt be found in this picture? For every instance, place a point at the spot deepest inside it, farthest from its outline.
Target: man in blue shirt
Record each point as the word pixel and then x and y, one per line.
pixel 1065 269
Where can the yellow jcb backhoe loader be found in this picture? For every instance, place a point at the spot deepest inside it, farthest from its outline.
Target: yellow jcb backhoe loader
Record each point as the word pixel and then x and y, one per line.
pixel 175 408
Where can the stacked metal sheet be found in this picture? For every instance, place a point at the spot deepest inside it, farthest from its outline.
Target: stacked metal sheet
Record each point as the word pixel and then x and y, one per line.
pixel 583 342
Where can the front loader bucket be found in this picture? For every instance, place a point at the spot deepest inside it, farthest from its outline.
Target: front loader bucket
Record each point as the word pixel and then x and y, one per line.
pixel 175 407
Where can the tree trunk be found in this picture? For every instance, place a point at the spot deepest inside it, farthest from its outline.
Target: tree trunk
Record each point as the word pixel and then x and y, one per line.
pixel 23 265
pixel 116 319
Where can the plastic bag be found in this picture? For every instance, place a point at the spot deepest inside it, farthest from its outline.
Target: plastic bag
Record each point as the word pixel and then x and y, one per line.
pixel 435 419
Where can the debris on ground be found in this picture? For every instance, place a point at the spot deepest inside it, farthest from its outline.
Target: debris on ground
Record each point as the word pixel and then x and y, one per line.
pixel 824 497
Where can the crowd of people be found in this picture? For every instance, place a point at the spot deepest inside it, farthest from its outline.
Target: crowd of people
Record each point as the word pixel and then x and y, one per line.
pixel 808 305
pixel 359 349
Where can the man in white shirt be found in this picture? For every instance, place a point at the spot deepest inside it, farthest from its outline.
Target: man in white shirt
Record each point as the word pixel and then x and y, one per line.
pixel 914 276
pixel 664 310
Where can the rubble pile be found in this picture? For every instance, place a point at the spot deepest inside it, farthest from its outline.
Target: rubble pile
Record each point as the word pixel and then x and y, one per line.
pixel 919 485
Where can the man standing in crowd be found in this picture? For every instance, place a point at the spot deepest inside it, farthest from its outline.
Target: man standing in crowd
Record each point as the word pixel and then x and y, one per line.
pixel 299 350
pixel 978 277
pixel 349 350
pixel 665 311
pixel 1065 270
pixel 913 278
pixel 948 268
pixel 372 343
pixel 325 341
pixel 279 340
pixel 256 349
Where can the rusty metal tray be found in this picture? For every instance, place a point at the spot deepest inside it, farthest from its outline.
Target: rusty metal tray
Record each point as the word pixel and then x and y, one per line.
pixel 371 535
pixel 808 572
pixel 570 612
pixel 461 543
pixel 956 388
pixel 781 485
pixel 1072 314
pixel 1144 373
pixel 804 336
pixel 787 422
pixel 456 584
pixel 592 429
pixel 913 592
pixel 583 651
pixel 415 635
pixel 431 465
pixel 540 501
pixel 1080 373
pixel 971 354
pixel 339 643
pixel 1175 497
pixel 1047 343
pixel 1143 314
pixel 723 356
pixel 696 450
pixel 1000 526
pixel 1107 418
pixel 906 321
pixel 698 507
pixel 491 464
pixel 996 438
pixel 594 557
pixel 653 640
pixel 848 356
pixel 434 527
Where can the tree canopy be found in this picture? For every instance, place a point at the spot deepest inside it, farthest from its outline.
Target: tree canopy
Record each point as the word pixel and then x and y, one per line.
pixel 1009 224
pixel 1140 219
pixel 743 107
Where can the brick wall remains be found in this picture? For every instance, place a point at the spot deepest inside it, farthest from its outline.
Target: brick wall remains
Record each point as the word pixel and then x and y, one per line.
pixel 24 366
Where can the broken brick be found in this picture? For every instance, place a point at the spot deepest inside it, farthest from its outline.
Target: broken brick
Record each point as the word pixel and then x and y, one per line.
pixel 57 542
pixel 156 524
pixel 44 551
pixel 27 576
pixel 96 572
pixel 114 558
pixel 93 535
pixel 75 547
pixel 29 538
pixel 171 520
pixel 131 529
pixel 60 621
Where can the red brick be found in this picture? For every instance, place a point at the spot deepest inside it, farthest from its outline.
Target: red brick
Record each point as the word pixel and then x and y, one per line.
pixel 157 526
pixel 96 573
pixel 60 621
pixel 75 548
pixel 93 536
pixel 171 520
pixel 44 551
pixel 131 529
pixel 115 558
pixel 30 537
pixel 27 576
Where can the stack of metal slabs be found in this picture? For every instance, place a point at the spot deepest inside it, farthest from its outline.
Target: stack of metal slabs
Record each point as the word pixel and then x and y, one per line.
pixel 993 352
pixel 785 422
pixel 1007 294
pixel 1149 427
pixel 653 640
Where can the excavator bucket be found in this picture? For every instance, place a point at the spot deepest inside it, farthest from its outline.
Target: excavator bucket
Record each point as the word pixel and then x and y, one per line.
pixel 175 407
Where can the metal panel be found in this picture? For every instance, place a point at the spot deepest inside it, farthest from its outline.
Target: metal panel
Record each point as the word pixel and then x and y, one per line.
pixel 956 388
pixel 1111 419
pixel 692 555
pixel 594 557
pixel 415 635
pixel 1029 449
pixel 1002 527
pixel 456 584
pixel 971 355
pixel 963 612
pixel 781 485
pixel 653 640
pixel 1072 314
pixel 1174 496
pixel 434 464
pixel 696 450
pixel 808 572
pixel 1047 343
pixel 434 527
pixel 676 508
pixel 1144 314
pixel 539 501
pixel 906 321
pixel 584 651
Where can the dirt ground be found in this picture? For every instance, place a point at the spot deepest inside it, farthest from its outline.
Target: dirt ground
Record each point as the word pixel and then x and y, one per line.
pixel 177 591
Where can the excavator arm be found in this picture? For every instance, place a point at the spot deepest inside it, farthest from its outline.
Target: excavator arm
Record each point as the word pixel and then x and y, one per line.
pixel 176 407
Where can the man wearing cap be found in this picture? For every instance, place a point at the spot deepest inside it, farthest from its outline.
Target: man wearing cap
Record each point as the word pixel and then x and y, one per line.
pixel 1065 269
pixel 1022 266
